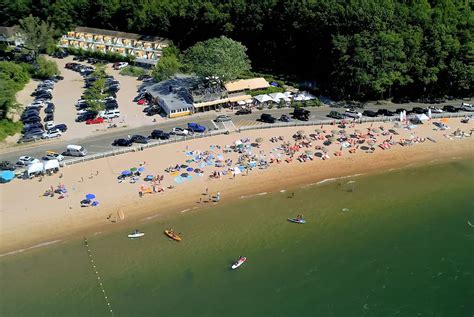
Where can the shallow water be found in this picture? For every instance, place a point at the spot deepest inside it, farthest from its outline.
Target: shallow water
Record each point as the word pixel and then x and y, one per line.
pixel 393 244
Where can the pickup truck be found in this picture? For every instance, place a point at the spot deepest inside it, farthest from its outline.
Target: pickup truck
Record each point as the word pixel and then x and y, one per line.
pixel 196 127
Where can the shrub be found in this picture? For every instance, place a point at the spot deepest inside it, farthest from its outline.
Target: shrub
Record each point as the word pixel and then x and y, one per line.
pixel 44 68
pixel 8 127
pixel 269 90
pixel 133 71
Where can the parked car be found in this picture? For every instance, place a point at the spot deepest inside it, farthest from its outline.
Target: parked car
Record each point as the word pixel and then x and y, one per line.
pixel 152 110
pixel 434 109
pixel 467 107
pixel 369 113
pixel 385 112
pixel 97 120
pixel 109 114
pixel 223 118
pixel 285 118
pixel 49 117
pixel 61 127
pixel 49 109
pixel 179 131
pixel 49 125
pixel 86 116
pixel 418 110
pixel 7 165
pixel 243 111
pixel 139 139
pixel 30 138
pixel 301 114
pixel 194 127
pixel 34 131
pixel 450 109
pixel 122 142
pixel 141 102
pixel 353 114
pixel 159 134
pixel 267 118
pixel 144 77
pixel 26 160
pixel 399 110
pixel 336 115
pixel 32 119
pixel 120 65
pixel 30 126
pixel 51 155
pixel 51 134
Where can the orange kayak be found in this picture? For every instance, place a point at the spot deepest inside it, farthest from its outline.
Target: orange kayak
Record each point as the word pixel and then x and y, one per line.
pixel 170 233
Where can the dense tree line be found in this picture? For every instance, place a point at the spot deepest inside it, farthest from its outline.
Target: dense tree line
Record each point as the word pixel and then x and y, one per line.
pixel 351 48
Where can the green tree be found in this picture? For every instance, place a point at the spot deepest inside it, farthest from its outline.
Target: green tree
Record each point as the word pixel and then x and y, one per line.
pixel 221 57
pixel 38 35
pixel 44 68
pixel 166 67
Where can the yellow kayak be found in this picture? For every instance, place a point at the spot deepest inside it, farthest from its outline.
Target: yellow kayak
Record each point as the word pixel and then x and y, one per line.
pixel 170 233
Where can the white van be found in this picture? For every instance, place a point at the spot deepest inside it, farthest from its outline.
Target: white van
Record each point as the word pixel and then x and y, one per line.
pixel 110 114
pixel 75 150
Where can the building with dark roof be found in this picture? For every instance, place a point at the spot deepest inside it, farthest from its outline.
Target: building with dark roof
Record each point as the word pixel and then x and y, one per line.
pixel 11 35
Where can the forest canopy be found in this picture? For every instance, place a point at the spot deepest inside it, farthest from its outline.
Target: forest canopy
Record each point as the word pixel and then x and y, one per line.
pixel 361 49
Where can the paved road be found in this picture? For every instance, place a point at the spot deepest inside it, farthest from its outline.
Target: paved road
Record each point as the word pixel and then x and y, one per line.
pixel 102 143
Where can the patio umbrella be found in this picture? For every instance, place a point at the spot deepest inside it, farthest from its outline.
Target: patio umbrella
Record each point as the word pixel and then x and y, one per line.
pixel 90 196
pixel 259 140
pixel 133 169
pixel 7 176
pixel 126 173
pixel 190 169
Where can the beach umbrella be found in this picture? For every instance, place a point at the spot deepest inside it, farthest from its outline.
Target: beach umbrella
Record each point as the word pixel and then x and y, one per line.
pixel 376 130
pixel 141 169
pixel 190 169
pixel 184 175
pixel 174 173
pixel 312 135
pixel 259 140
pixel 133 169
pixel 324 149
pixel 300 132
pixel 371 142
pixel 334 131
pixel 126 173
pixel 6 176
pixel 90 196
pixel 342 131
pixel 332 138
pixel 364 148
pixel 318 131
pixel 357 131
pixel 184 166
pixel 308 152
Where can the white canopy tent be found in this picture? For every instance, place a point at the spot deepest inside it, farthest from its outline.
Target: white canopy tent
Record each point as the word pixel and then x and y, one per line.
pixel 263 98
pixel 422 117
pixel 277 96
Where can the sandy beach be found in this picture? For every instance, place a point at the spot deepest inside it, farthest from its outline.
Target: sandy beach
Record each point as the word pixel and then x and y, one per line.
pixel 29 218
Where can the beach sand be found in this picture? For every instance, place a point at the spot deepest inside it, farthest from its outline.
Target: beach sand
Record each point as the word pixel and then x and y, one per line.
pixel 28 218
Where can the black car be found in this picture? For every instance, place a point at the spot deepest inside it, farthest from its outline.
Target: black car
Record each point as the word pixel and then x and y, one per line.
pixel 31 120
pixel 122 142
pixel 34 131
pixel 29 138
pixel 336 115
pixel 143 77
pixel 32 125
pixel 450 109
pixel 7 165
pixel 49 109
pixel 85 116
pixel 44 95
pixel 48 117
pixel 385 112
pixel 111 106
pixel 369 113
pixel 151 111
pixel 418 110
pixel 29 113
pixel 301 114
pixel 61 127
pixel 285 118
pixel 158 134
pixel 244 111
pixel 267 118
pixel 139 139
pixel 399 110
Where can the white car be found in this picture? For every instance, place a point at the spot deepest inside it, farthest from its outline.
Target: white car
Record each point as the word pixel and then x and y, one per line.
pixel 35 104
pixel 435 109
pixel 353 114
pixel 109 114
pixel 180 131
pixel 26 160
pixel 52 156
pixel 120 65
pixel 48 125
pixel 223 118
pixel 82 111
pixel 56 133
pixel 467 107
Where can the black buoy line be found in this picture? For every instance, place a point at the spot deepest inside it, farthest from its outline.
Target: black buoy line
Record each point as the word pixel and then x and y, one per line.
pixel 99 279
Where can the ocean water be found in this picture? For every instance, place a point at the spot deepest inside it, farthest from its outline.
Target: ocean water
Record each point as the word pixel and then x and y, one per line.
pixel 394 244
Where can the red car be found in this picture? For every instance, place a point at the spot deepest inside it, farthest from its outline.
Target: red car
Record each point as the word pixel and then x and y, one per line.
pixel 142 102
pixel 95 121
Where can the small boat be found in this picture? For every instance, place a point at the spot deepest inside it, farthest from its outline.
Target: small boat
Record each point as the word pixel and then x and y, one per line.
pixel 297 220
pixel 170 233
pixel 241 261
pixel 136 234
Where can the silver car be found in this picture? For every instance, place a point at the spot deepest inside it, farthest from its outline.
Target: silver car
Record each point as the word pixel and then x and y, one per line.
pixel 223 118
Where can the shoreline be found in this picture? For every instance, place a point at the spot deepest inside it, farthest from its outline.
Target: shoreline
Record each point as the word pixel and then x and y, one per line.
pixel 30 222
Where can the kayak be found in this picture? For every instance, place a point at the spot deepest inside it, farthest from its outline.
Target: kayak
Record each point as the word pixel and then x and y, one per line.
pixel 241 261
pixel 297 220
pixel 136 234
pixel 170 233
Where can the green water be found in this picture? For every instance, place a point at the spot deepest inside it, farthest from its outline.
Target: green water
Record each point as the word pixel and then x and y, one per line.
pixel 401 247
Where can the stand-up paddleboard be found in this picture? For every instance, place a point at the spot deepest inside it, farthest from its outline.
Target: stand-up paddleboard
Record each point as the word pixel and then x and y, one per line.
pixel 297 220
pixel 241 261
pixel 136 234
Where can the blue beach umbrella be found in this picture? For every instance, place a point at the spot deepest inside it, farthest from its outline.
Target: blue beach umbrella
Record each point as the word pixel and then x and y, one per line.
pixel 7 176
pixel 126 173
pixel 90 196
pixel 141 169
pixel 190 169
